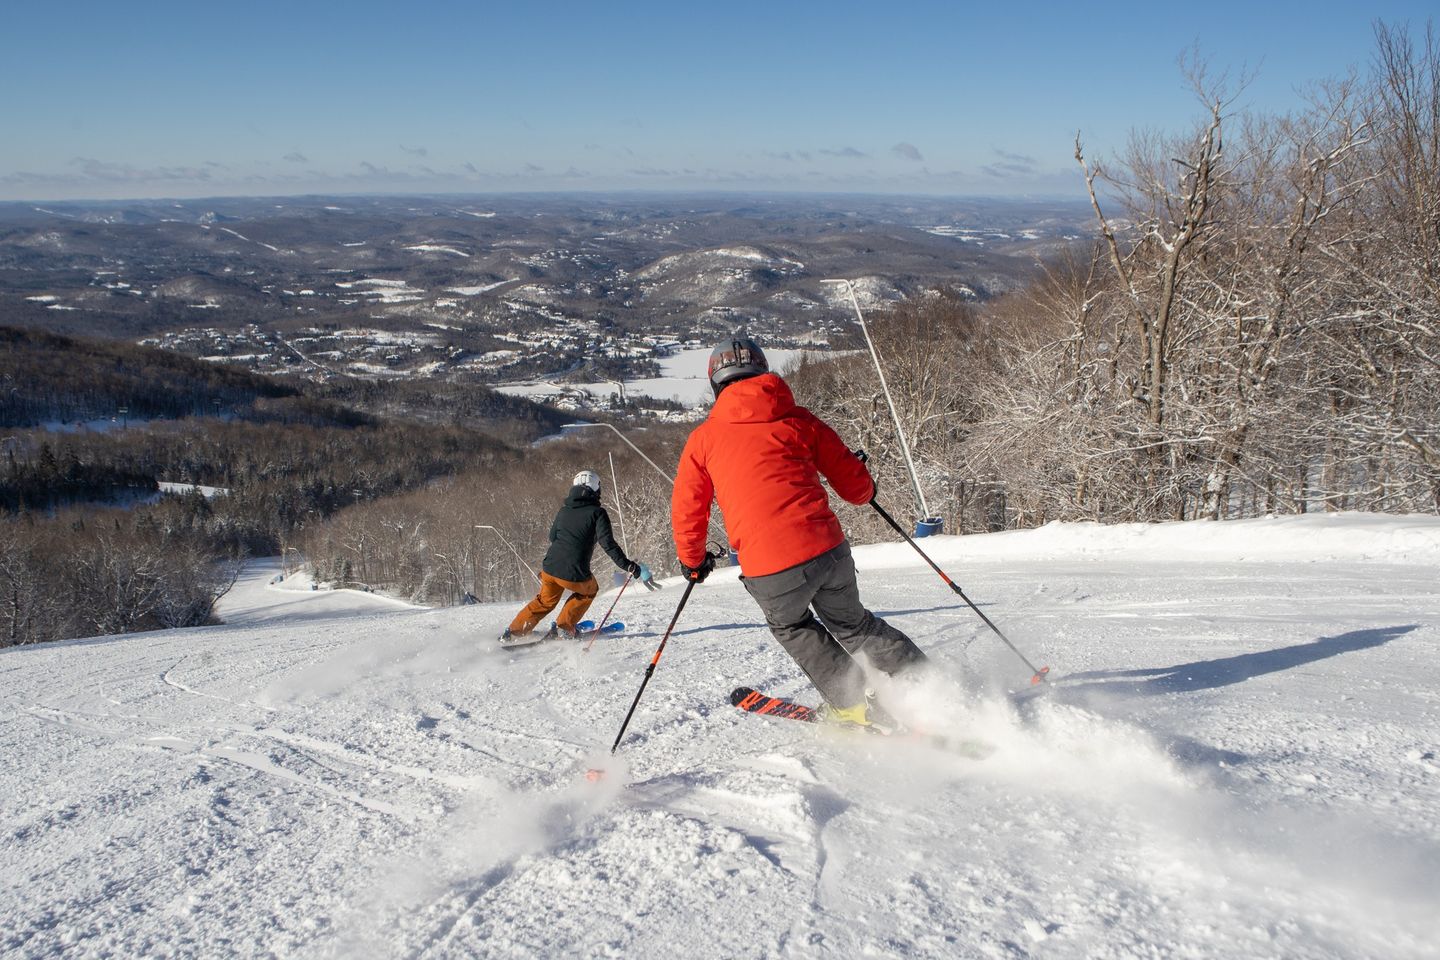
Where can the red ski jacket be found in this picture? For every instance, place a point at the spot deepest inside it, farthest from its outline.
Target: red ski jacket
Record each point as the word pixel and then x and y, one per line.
pixel 760 457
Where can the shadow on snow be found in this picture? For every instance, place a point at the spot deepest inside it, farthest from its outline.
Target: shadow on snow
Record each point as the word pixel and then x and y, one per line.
pixel 1210 674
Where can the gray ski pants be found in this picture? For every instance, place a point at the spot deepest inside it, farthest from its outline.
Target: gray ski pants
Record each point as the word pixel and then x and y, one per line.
pixel 827 652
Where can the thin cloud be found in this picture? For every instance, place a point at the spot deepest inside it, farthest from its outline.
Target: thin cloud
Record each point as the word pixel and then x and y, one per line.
pixel 1014 157
pixel 1011 165
pixel 907 151
pixel 89 173
pixel 1002 171
pixel 105 171
pixel 296 157
pixel 378 171
pixel 849 153
pixel 415 151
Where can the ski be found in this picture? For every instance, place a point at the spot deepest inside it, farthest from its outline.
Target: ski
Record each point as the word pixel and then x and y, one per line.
pixel 753 701
pixel 584 630
pixel 521 643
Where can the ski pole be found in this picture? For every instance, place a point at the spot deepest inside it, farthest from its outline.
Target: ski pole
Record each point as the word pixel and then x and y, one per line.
pixel 601 626
pixel 1036 675
pixel 650 670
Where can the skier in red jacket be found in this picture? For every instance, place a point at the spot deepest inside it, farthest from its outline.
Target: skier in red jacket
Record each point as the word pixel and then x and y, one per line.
pixel 760 456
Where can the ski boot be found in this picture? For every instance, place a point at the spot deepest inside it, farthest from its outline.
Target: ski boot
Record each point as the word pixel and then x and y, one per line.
pixel 868 715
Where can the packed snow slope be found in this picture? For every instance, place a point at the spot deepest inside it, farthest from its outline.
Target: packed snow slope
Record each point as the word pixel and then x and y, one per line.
pixel 1236 757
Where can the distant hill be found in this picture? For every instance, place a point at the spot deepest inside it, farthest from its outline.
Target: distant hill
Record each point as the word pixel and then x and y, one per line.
pixel 48 378
pixel 55 380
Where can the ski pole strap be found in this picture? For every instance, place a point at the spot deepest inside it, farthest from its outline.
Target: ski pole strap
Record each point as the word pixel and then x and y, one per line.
pixel 650 670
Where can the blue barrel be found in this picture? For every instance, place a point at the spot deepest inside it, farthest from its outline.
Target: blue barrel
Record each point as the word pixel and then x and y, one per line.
pixel 929 527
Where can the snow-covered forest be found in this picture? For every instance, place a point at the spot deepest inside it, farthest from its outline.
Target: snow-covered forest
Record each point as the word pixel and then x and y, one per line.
pixel 1257 329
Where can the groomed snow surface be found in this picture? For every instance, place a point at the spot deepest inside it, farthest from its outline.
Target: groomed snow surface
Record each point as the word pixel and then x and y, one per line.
pixel 1236 757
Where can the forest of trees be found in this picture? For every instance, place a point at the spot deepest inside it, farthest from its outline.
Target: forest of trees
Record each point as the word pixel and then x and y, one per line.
pixel 50 377
pixel 87 546
pixel 278 480
pixel 80 574
pixel 460 537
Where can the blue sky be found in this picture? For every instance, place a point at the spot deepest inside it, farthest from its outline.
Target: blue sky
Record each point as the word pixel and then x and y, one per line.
pixel 150 99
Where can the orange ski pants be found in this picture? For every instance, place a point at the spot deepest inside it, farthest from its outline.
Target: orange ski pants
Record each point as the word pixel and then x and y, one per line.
pixel 551 589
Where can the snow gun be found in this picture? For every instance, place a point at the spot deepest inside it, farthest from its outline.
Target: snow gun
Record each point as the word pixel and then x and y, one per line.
pixel 1036 675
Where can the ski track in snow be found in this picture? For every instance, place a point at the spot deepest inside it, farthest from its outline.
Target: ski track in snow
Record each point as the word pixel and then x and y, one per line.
pixel 1234 759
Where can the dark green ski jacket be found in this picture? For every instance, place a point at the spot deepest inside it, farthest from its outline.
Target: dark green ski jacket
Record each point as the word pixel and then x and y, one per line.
pixel 579 525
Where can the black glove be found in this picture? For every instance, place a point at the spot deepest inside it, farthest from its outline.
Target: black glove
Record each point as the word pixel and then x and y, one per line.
pixel 860 455
pixel 698 574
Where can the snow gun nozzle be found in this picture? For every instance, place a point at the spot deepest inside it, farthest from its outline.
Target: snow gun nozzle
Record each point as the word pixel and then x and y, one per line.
pixel 1039 676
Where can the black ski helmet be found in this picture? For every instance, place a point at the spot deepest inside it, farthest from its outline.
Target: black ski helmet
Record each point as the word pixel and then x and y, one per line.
pixel 736 358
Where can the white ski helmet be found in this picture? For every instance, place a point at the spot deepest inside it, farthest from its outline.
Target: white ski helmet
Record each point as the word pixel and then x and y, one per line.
pixel 734 359
pixel 587 478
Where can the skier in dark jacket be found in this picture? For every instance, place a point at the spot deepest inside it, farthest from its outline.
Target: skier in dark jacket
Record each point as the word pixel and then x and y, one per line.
pixel 579 525
pixel 761 456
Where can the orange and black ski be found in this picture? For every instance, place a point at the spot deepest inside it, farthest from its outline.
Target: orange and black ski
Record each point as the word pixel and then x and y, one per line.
pixel 753 701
